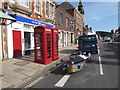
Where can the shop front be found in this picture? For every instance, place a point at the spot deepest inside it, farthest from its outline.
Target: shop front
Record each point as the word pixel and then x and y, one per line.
pixel 65 38
pixel 3 34
pixel 21 36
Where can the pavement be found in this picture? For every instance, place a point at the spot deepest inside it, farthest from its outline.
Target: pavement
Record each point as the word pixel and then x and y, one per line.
pixel 17 71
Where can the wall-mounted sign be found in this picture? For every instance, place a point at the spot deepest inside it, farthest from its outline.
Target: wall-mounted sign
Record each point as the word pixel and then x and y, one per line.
pixel 30 21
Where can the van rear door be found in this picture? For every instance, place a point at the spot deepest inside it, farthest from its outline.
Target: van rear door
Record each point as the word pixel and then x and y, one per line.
pixel 88 43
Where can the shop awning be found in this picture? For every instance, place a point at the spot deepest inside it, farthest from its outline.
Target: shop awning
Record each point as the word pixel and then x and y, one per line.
pixel 3 15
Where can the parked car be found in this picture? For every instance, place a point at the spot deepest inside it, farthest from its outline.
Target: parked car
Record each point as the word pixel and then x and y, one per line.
pixel 107 39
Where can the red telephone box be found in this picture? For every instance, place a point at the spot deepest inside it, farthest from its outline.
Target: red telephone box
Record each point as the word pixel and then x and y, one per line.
pixel 43 44
pixel 55 43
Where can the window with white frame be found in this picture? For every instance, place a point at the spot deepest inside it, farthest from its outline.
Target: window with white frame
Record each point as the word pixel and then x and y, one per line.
pixel 71 24
pixel 60 18
pixel 47 9
pixel 51 10
pixel 12 1
pixel 26 3
pixel 67 22
pixel 38 5
pixel 28 27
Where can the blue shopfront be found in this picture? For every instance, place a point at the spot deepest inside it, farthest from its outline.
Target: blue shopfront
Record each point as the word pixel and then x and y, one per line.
pixel 30 21
pixel 22 35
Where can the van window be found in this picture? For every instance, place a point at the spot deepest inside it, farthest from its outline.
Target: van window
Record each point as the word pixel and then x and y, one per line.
pixel 87 39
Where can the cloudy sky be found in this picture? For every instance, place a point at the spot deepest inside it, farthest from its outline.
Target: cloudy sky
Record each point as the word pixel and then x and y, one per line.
pixel 100 15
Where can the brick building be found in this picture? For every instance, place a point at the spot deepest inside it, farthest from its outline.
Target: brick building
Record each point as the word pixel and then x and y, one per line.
pixel 78 16
pixel 65 24
pixel 19 35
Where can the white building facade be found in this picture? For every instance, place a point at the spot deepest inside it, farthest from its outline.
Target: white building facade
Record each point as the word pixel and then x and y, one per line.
pixel 20 36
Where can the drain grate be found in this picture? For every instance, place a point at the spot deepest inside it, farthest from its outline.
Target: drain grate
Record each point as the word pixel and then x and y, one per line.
pixel 22 63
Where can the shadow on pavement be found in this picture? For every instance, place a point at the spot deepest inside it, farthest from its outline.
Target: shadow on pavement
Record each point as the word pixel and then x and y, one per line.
pixel 59 70
pixel 29 57
pixel 109 50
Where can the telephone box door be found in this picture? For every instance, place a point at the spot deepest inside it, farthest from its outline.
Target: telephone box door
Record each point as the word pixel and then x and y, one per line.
pixel 43 44
pixel 38 47
pixel 55 43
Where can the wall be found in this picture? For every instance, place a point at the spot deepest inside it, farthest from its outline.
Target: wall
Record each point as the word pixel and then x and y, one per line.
pixel 0 44
pixel 65 14
pixel 18 26
pixel 65 31
pixel 79 18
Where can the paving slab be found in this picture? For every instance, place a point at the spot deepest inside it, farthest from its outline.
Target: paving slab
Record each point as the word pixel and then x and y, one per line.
pixel 5 84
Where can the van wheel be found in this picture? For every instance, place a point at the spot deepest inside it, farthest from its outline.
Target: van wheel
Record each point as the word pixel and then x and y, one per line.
pixel 96 52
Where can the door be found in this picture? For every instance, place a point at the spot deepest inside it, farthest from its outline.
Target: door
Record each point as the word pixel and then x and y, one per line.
pixel 17 44
pixel 38 46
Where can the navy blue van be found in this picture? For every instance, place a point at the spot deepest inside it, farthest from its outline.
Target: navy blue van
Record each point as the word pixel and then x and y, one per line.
pixel 88 43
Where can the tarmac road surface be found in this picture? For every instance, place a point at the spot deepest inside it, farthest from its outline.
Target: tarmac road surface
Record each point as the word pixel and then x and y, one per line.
pixel 101 73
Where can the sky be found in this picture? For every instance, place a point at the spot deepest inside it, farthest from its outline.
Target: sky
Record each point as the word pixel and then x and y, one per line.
pixel 101 16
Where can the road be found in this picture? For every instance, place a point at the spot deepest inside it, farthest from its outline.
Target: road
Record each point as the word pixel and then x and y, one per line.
pixel 101 73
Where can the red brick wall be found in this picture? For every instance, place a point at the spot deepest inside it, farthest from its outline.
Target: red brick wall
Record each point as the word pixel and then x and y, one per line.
pixel 71 11
pixel 78 26
pixel 65 14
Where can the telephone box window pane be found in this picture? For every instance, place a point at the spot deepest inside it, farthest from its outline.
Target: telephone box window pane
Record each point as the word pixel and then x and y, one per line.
pixel 38 35
pixel 38 53
pixel 48 46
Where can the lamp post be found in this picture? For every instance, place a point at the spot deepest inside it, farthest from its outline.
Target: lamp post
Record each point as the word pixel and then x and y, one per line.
pixel 112 31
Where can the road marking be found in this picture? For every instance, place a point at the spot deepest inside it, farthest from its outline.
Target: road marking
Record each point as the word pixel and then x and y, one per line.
pixel 33 83
pixel 98 47
pixel 62 81
pixel 101 69
pixel 98 50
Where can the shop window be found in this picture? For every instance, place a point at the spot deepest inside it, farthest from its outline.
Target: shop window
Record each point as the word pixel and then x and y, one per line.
pixel 27 40
pixel 26 26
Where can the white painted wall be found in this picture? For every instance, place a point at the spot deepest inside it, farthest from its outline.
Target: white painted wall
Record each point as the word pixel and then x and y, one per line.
pixel 0 44
pixel 10 28
pixel 66 38
pixel 32 40
pixel 73 38
pixel 9 40
pixel 18 26
pixel 23 42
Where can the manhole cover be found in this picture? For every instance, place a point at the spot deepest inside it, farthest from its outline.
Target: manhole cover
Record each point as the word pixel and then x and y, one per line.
pixel 22 63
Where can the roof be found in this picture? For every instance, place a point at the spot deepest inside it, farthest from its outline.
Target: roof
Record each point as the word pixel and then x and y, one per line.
pixel 3 15
pixel 66 5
